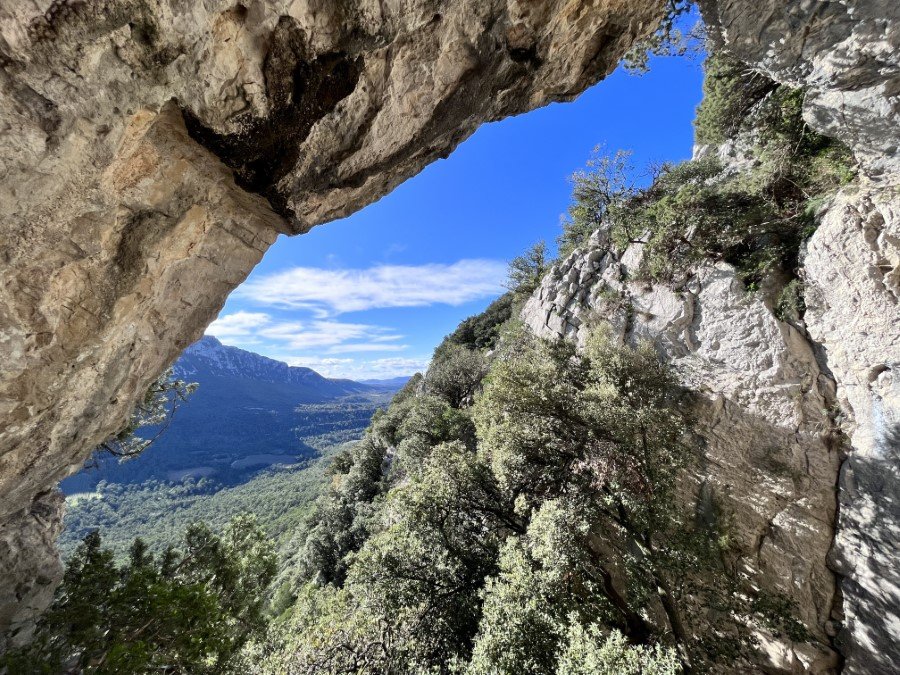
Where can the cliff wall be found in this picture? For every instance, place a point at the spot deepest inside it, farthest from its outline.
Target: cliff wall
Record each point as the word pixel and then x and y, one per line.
pixel 153 149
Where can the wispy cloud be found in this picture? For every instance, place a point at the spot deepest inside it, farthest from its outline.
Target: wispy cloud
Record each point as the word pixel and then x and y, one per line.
pixel 316 334
pixel 239 324
pixel 328 292
pixel 352 347
pixel 294 315
pixel 362 370
pixel 330 337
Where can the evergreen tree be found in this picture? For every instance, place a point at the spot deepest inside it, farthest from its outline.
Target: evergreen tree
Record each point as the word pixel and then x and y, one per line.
pixel 190 611
pixel 527 270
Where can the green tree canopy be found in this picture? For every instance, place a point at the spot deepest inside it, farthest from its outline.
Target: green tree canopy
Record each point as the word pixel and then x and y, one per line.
pixel 189 611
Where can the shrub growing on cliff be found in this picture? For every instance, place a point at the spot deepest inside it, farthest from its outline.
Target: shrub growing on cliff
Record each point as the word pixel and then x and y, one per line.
pixel 592 651
pixel 730 90
pixel 592 446
pixel 527 270
pixel 701 210
pixel 455 373
pixel 340 523
pixel 555 544
pixel 155 409
pixel 606 185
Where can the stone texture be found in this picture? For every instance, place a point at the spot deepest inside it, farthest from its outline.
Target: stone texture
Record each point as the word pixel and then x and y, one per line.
pixel 852 274
pixel 28 555
pixel 770 447
pixel 151 151
pixel 845 53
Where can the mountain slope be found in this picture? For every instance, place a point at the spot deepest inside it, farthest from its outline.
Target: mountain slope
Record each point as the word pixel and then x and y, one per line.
pixel 393 383
pixel 248 412
pixel 208 358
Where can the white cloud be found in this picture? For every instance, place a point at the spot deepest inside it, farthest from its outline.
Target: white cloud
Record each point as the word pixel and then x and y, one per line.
pixel 302 328
pixel 336 291
pixel 375 369
pixel 366 347
pixel 317 363
pixel 334 337
pixel 238 324
pixel 330 335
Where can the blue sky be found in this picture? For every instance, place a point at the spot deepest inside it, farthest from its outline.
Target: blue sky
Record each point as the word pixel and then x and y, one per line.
pixel 370 296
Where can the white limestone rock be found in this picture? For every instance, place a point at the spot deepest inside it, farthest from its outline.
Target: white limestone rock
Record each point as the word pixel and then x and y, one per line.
pixel 769 445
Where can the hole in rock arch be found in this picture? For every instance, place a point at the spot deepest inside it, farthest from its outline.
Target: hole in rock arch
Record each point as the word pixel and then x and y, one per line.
pixel 357 306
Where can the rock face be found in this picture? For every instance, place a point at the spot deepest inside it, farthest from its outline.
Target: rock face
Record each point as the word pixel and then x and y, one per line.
pixel 775 401
pixel 846 54
pixel 152 150
pixel 852 274
pixel 770 449
pixel 28 555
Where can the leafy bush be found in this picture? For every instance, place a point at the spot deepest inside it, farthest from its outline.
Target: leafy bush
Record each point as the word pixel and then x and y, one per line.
pixel 532 550
pixel 527 270
pixel 455 373
pixel 340 523
pixel 482 330
pixel 730 90
pixel 755 219
pixel 606 185
pixel 590 652
pixel 790 305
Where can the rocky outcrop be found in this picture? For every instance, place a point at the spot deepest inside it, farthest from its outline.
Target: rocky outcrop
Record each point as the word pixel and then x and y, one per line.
pixel 846 55
pixel 852 274
pixel 770 450
pixel 152 150
pixel 29 560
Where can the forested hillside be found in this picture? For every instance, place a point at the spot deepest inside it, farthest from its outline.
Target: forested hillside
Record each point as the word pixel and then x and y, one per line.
pixel 251 438
pixel 515 511
pixel 159 511
pixel 249 412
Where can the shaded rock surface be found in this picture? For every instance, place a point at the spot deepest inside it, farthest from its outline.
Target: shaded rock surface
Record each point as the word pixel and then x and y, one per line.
pixel 152 150
pixel 844 53
pixel 28 558
pixel 852 273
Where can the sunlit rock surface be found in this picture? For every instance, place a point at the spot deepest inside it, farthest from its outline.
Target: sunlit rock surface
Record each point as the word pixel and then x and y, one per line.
pixel 761 415
pixel 846 54
pixel 151 151
pixel 852 272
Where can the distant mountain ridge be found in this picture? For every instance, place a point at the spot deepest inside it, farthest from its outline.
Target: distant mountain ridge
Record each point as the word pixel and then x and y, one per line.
pixel 389 383
pixel 209 356
pixel 248 412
